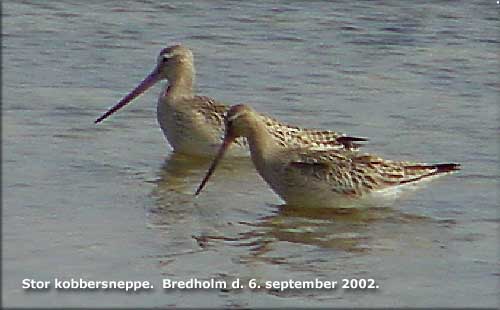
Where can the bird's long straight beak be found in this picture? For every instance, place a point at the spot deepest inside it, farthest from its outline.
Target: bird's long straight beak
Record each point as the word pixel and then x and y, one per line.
pixel 228 139
pixel 149 81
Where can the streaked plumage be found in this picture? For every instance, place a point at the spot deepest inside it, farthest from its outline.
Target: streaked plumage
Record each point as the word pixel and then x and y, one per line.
pixel 194 125
pixel 304 176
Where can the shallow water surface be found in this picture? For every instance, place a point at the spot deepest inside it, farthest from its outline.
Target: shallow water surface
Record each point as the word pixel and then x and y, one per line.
pixel 112 202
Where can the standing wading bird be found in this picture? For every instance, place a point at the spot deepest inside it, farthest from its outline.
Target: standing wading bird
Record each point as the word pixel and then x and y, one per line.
pixel 194 125
pixel 321 178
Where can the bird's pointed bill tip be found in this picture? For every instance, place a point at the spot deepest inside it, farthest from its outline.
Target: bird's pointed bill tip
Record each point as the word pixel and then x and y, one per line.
pixel 225 145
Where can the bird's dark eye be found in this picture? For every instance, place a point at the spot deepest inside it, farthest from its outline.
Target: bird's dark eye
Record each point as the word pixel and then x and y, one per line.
pixel 165 59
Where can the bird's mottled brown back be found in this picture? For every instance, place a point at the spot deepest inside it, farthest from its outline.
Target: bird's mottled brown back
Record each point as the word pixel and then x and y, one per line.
pixel 355 173
pixel 284 134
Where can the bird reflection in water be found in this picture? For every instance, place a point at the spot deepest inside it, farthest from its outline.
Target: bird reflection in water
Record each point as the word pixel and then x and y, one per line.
pixel 177 179
pixel 354 230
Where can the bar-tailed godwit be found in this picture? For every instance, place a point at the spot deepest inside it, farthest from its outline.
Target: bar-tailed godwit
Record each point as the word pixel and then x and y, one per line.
pixel 194 125
pixel 307 177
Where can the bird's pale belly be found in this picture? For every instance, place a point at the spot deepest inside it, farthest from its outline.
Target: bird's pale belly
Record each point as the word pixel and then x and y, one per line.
pixel 301 190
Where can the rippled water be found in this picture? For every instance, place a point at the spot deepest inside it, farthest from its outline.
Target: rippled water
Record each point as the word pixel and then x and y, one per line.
pixel 111 202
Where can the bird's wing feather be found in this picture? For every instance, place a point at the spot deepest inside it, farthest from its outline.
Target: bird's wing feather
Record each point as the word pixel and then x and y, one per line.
pixel 213 112
pixel 288 135
pixel 387 172
pixel 352 172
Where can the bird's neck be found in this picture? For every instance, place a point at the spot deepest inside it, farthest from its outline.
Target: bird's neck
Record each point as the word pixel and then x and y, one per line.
pixel 181 84
pixel 262 145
